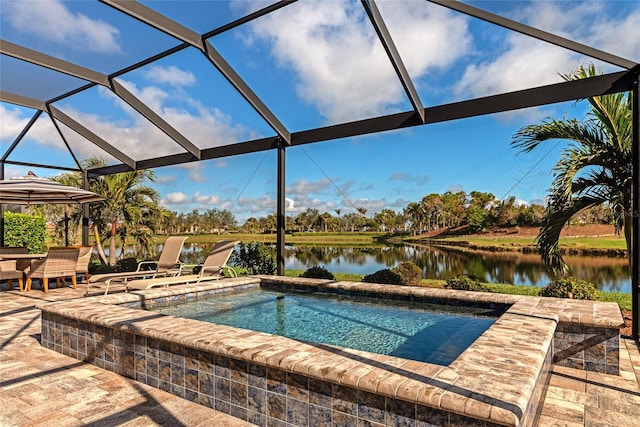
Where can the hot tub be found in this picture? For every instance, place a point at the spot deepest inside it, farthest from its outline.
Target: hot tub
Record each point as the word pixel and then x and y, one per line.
pixel 268 380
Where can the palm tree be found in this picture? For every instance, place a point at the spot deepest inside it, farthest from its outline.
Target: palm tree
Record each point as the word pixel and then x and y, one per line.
pixel 594 168
pixel 130 210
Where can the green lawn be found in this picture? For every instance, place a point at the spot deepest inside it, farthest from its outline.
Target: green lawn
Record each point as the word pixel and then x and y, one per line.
pixel 604 242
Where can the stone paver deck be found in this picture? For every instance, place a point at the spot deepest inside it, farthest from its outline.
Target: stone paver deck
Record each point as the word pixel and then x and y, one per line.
pixel 42 387
pixel 39 387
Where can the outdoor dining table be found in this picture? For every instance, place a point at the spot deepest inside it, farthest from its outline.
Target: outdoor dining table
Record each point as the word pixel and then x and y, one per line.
pixel 28 257
pixel 23 260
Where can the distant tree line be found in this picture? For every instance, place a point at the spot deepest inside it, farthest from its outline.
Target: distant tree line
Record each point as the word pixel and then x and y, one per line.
pixel 477 210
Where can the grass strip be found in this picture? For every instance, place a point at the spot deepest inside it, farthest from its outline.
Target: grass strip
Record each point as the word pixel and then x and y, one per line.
pixel 623 300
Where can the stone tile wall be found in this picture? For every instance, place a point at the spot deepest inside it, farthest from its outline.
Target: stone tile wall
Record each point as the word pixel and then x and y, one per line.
pixel 252 392
pixel 270 380
pixel 588 348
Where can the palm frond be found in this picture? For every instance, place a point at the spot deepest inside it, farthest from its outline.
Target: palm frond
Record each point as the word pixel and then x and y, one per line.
pixel 556 219
pixel 529 137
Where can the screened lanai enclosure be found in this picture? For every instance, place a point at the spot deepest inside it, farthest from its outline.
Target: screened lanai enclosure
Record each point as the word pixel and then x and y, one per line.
pixel 83 79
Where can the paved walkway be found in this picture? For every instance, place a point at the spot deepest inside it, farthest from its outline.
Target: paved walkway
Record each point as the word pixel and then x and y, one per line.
pixel 39 387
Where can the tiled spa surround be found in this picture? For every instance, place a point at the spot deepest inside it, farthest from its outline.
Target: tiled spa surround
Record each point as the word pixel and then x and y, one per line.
pixel 271 380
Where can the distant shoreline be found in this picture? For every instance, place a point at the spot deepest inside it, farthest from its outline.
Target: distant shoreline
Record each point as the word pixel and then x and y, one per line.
pixel 584 240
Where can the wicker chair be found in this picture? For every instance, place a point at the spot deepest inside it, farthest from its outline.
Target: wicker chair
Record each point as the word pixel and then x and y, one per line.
pixel 60 262
pixel 83 261
pixel 9 271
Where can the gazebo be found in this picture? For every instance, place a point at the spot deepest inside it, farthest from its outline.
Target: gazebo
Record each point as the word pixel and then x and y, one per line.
pixel 38 79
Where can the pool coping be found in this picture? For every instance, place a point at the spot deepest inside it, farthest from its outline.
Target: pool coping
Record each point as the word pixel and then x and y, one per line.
pixel 497 379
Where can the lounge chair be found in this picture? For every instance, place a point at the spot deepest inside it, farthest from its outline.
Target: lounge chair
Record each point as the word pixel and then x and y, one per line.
pixel 212 269
pixel 167 265
pixel 59 263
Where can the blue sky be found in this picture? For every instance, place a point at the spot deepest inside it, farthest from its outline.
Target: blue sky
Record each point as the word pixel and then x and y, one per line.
pixel 314 64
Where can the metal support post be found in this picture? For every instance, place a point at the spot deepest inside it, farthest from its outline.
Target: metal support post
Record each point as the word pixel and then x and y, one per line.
pixel 85 211
pixel 1 209
pixel 635 221
pixel 280 220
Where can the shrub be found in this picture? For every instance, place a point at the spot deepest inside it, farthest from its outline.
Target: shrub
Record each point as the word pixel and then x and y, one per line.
pixel 122 265
pixel 384 276
pixel 318 272
pixel 570 287
pixel 410 273
pixel 24 230
pixel 255 258
pixel 466 282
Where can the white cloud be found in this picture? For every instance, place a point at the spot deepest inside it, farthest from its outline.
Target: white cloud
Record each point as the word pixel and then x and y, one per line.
pixel 604 25
pixel 339 62
pixel 165 179
pixel 42 133
pixel 131 134
pixel 518 68
pixel 205 126
pixel 170 75
pixel 12 122
pixel 615 36
pixel 205 200
pixel 53 21
pixel 527 62
pixel 290 204
pixel 12 171
pixel 264 205
pixel 372 206
pixel 176 198
pixel 304 187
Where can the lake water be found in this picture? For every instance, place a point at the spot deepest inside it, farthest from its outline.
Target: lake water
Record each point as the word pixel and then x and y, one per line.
pixel 608 273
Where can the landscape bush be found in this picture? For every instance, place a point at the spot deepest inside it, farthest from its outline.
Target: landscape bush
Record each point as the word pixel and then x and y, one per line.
pixel 122 265
pixel 385 276
pixel 466 282
pixel 22 230
pixel 254 258
pixel 410 273
pixel 570 287
pixel 317 272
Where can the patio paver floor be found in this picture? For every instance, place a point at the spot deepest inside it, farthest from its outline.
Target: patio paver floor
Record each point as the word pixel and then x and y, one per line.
pixel 39 387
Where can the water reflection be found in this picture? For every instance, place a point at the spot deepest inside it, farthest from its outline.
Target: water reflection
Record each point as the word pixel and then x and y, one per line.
pixel 609 274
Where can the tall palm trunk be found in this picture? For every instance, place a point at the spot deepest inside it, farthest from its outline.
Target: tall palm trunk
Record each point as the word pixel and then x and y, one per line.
pixel 96 235
pixel 112 243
